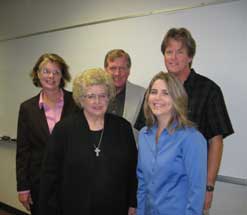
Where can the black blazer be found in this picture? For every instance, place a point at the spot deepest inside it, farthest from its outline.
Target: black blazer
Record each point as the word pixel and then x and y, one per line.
pixel 75 181
pixel 32 137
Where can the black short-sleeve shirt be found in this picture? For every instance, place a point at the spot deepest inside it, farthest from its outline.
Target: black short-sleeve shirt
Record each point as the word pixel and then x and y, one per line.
pixel 207 106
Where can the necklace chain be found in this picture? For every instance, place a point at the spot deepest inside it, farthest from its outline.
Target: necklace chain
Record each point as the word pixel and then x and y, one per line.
pixel 97 148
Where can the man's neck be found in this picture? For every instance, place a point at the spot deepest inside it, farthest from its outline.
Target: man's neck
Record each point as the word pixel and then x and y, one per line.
pixel 120 89
pixel 184 75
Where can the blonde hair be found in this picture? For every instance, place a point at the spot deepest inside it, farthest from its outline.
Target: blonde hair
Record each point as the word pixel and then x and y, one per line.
pixel 89 77
pixel 179 99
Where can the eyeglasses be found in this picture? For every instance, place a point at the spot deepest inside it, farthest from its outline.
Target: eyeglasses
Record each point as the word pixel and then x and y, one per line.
pixel 121 69
pixel 47 72
pixel 94 97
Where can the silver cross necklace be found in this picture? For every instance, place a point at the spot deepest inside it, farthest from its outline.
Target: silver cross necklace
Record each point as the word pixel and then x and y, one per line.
pixel 97 148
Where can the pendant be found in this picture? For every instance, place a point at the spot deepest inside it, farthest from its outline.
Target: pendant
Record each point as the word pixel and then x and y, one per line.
pixel 97 151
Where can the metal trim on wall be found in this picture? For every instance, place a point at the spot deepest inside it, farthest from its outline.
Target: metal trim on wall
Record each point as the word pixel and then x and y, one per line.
pixel 232 180
pixel 117 19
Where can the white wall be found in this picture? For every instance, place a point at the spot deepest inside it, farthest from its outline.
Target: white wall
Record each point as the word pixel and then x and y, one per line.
pixel 8 194
pixel 220 33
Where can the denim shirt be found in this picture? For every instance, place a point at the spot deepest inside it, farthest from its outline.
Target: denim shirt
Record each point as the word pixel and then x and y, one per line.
pixel 172 173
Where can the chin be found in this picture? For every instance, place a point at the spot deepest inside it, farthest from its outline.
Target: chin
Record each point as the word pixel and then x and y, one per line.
pixel 98 113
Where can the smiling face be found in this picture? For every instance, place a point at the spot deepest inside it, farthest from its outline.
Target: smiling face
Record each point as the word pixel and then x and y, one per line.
pixel 176 58
pixel 95 100
pixel 50 76
pixel 119 70
pixel 159 100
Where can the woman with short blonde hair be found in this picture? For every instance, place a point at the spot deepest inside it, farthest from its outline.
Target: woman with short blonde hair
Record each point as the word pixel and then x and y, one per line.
pixel 91 158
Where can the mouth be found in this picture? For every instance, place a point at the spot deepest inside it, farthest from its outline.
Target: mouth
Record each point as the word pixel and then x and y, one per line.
pixel 97 108
pixel 173 64
pixel 117 79
pixel 157 106
pixel 51 82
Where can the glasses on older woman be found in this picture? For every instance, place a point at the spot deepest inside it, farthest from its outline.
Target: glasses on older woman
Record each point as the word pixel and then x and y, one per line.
pixel 94 97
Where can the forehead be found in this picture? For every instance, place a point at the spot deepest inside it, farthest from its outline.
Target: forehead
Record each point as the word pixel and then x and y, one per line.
pixel 175 44
pixel 49 64
pixel 159 84
pixel 96 88
pixel 117 61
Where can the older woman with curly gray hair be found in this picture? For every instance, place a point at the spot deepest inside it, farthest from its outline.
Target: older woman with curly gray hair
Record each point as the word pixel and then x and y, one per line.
pixel 91 159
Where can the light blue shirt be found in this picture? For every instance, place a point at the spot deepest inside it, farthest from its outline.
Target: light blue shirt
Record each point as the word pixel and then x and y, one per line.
pixel 172 173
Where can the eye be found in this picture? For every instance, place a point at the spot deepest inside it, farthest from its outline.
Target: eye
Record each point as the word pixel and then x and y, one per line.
pixel 122 69
pixel 180 52
pixel 90 96
pixel 153 92
pixel 44 71
pixel 168 52
pixel 113 68
pixel 165 92
pixel 56 72
pixel 102 96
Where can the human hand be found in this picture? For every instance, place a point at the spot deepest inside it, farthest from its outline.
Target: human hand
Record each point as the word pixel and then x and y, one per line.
pixel 208 200
pixel 25 199
pixel 132 211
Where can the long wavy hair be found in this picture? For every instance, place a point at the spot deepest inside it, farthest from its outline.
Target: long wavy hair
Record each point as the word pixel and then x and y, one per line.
pixel 179 100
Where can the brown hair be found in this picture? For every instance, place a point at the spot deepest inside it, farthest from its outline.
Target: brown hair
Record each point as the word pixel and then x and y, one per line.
pixel 117 53
pixel 183 35
pixel 54 58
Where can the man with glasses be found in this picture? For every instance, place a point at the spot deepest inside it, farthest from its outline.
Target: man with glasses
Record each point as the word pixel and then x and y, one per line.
pixel 129 96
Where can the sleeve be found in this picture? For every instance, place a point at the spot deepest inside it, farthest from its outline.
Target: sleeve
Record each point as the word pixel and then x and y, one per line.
pixel 51 174
pixel 132 167
pixel 23 151
pixel 219 121
pixel 141 190
pixel 195 161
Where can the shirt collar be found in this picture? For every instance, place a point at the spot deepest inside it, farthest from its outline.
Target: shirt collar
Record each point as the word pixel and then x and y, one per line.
pixel 42 103
pixel 190 80
pixel 154 128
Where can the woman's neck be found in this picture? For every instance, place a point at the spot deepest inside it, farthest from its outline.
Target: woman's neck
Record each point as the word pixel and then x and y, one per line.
pixel 95 123
pixel 51 97
pixel 162 124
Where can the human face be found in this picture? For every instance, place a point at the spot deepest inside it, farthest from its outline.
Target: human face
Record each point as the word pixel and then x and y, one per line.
pixel 119 71
pixel 176 58
pixel 50 76
pixel 160 101
pixel 95 100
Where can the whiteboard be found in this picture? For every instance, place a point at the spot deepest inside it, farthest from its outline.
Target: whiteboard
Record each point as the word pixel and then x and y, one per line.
pixel 219 30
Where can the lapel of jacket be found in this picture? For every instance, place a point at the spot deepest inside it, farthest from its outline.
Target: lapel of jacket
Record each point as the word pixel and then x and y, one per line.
pixel 65 103
pixel 126 102
pixel 40 117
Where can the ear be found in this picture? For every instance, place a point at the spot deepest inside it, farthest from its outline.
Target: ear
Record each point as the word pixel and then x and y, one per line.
pixel 38 74
pixel 128 72
pixel 190 59
pixel 81 102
